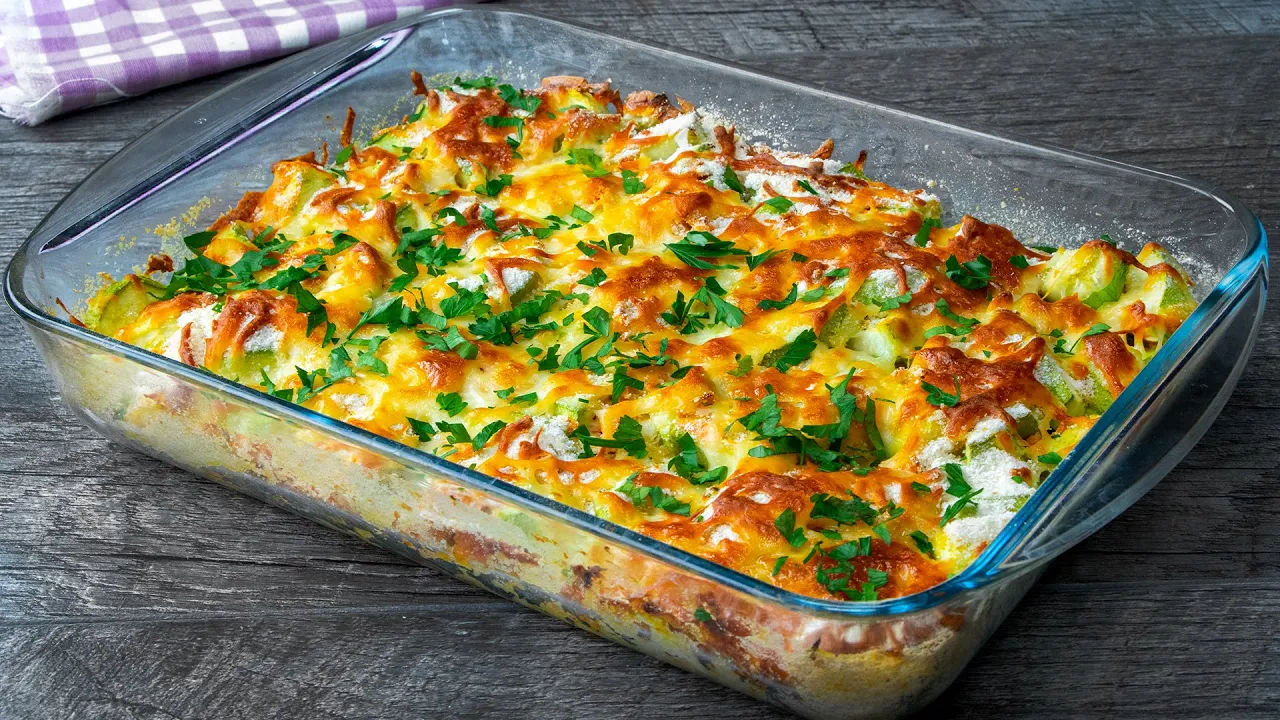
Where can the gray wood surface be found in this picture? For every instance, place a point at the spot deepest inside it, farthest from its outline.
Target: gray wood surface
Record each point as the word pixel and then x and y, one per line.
pixel 131 590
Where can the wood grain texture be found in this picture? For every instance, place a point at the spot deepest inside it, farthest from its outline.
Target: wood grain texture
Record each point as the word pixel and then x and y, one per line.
pixel 131 590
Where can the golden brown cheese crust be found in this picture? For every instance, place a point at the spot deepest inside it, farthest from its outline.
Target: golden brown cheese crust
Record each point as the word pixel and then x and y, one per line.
pixel 766 359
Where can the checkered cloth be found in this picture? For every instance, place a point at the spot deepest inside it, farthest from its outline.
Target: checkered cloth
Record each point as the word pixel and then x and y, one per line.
pixel 61 55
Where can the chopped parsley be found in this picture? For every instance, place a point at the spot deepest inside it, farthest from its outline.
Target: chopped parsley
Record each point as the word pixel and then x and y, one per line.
pixel 628 437
pixel 939 397
pixel 894 303
pixel 797 351
pixel 972 275
pixel 959 488
pixel 755 261
pixel 777 204
pixel 1050 458
pixel 594 278
pixel 734 183
pixel 786 525
pixel 591 163
pixel 688 464
pixel 922 542
pixel 1097 329
pixel 451 403
pixel 780 304
pixel 655 496
pixel 631 183
pixel 922 235
pixel 1111 292
pixel 698 245
pixel 493 186
pixel 449 341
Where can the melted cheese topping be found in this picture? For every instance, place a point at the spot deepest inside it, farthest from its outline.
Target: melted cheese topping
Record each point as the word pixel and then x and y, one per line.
pixel 763 358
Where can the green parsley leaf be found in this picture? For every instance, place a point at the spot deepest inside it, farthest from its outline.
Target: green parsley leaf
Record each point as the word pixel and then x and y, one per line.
pixel 797 351
pixel 944 309
pixel 343 155
pixel 451 212
pixel 1050 458
pixel 451 403
pixel 937 396
pixel 873 431
pixel 622 381
pixel 486 433
pixel 780 304
pixel 921 488
pixel 894 303
pixel 484 82
pixel 518 99
pixel 972 275
pixel 734 183
pixel 493 186
pixel 1112 292
pixel 702 615
pixel 581 214
pixel 786 525
pixel 655 496
pixel 777 566
pixel 628 437
pixel 422 429
pixel 745 363
pixel 697 245
pixel 777 204
pixel 458 432
pixel 286 395
pixel 449 341
pixel 488 218
pixel 724 311
pixel 1020 262
pixel 804 185
pixel 882 532
pixel 958 487
pixel 592 164
pixel 631 183
pixel 755 261
pixel 688 464
pixel 1097 329
pixel 196 242
pixel 843 512
pixel 620 242
pixel 922 235
pixel 922 542
pixel 594 279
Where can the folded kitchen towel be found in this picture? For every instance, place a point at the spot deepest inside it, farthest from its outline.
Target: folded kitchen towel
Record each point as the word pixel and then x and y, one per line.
pixel 62 55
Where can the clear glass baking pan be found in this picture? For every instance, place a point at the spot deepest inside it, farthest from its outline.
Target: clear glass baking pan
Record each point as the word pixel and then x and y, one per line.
pixel 822 659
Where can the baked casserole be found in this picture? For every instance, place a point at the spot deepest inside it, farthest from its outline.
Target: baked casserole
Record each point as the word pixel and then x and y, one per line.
pixel 765 358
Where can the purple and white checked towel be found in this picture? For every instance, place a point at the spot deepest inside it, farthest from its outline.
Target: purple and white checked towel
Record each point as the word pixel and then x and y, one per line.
pixel 61 55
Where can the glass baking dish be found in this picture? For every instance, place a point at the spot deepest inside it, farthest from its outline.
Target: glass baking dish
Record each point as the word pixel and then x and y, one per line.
pixel 822 659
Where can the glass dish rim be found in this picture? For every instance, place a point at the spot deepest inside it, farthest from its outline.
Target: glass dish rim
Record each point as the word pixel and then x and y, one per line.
pixel 985 570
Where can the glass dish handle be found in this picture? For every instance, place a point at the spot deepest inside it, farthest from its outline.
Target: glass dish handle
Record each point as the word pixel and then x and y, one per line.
pixel 1167 422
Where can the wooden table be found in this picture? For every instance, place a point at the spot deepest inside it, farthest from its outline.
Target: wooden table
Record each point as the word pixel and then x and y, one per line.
pixel 131 590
